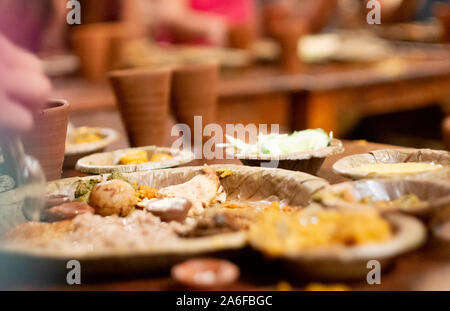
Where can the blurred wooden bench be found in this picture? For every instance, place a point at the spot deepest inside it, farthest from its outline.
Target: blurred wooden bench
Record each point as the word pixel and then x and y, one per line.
pixel 333 97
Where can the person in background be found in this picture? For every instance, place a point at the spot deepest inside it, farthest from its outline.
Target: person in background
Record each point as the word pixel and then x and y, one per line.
pixel 190 21
pixel 24 21
pixel 23 87
pixel 317 14
pixel 38 26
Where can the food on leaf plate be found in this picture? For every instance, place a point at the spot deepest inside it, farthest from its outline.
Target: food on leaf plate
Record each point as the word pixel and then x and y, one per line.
pixel 303 151
pixel 82 135
pixel 134 156
pixel 199 211
pixel 138 156
pixel 66 211
pixel 113 197
pixel 279 144
pixel 133 160
pixel 398 168
pixel 421 198
pixel 114 213
pixel 406 201
pixel 83 141
pixel 390 163
pixel 280 233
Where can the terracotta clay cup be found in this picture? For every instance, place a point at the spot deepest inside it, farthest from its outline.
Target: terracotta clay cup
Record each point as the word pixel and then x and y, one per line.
pixel 288 33
pixel 194 93
pixel 143 101
pixel 47 140
pixel 241 37
pixel 98 47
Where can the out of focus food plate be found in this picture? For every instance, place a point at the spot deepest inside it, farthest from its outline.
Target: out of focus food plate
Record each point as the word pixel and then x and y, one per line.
pixel 420 197
pixel 60 65
pixel 108 162
pixel 349 166
pixel 75 151
pixel 242 184
pixel 307 161
pixel 338 263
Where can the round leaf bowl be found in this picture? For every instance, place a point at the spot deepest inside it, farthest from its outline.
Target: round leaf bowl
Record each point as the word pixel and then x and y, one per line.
pixel 307 161
pixel 74 152
pixel 343 263
pixel 107 162
pixel 244 183
pixel 432 194
pixel 347 166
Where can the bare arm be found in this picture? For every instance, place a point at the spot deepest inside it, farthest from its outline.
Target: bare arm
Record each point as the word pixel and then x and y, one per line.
pixel 177 15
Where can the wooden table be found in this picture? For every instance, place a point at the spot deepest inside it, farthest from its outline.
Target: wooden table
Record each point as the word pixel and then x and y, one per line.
pixel 428 268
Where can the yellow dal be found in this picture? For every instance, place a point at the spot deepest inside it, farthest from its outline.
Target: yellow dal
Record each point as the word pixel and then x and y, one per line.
pixel 397 168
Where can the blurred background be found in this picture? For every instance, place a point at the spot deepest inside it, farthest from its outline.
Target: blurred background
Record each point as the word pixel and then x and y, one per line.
pixel 297 63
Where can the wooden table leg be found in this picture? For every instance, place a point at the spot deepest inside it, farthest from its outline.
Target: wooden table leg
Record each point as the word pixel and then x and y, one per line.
pixel 322 111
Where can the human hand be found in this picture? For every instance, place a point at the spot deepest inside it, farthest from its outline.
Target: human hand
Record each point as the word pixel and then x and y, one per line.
pixel 23 87
pixel 216 32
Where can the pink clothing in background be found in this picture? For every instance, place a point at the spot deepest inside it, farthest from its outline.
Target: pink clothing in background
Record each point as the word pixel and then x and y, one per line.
pixel 24 21
pixel 234 11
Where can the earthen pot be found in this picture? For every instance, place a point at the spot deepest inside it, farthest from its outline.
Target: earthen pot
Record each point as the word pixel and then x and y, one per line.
pixel 241 37
pixel 46 141
pixel 143 100
pixel 206 273
pixel 288 33
pixel 98 47
pixel 194 93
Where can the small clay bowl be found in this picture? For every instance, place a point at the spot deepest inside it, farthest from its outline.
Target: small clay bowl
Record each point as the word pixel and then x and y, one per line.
pixel 347 166
pixel 308 161
pixel 206 273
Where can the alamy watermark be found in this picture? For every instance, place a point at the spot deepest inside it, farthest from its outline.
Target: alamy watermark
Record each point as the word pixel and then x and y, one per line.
pixel 73 277
pixel 374 15
pixel 374 275
pixel 73 16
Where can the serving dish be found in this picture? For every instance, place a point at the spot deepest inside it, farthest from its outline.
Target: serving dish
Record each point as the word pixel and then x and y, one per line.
pixel 308 161
pixel 338 263
pixel 431 195
pixel 101 163
pixel 76 151
pixel 351 262
pixel 241 183
pixel 344 46
pixel 347 166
